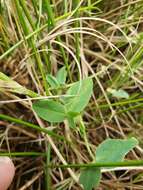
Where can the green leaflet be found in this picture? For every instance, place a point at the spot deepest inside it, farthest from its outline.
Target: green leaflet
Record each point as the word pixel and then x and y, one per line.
pixel 114 149
pixel 50 110
pixel 118 93
pixel 90 178
pixel 61 75
pixel 82 91
pixel 52 81
pixel 60 78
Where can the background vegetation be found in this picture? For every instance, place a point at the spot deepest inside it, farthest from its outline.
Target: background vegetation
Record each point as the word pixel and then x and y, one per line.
pixel 97 39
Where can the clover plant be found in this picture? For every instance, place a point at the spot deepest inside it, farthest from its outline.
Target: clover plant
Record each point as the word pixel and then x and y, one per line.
pixel 72 106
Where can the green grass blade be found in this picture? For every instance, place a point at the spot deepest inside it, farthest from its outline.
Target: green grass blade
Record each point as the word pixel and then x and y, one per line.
pixel 30 125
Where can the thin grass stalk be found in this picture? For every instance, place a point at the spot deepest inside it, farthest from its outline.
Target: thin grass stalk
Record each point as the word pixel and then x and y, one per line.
pixel 22 154
pixel 30 19
pixel 77 36
pixel 47 170
pixel 30 125
pixel 130 163
pixel 31 43
pixel 52 24
pixel 27 37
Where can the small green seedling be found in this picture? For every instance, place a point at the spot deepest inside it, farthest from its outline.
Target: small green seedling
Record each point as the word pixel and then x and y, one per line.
pixel 67 108
pixel 111 150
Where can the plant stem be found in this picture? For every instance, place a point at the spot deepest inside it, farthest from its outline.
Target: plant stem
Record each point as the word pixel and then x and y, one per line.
pixel 23 5
pixel 17 154
pixel 83 128
pixel 30 125
pixel 131 108
pixel 129 163
pixel 47 170
pixel 97 165
pixel 31 43
pixel 46 59
pixel 77 36
pixel 52 19
pixel 122 103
